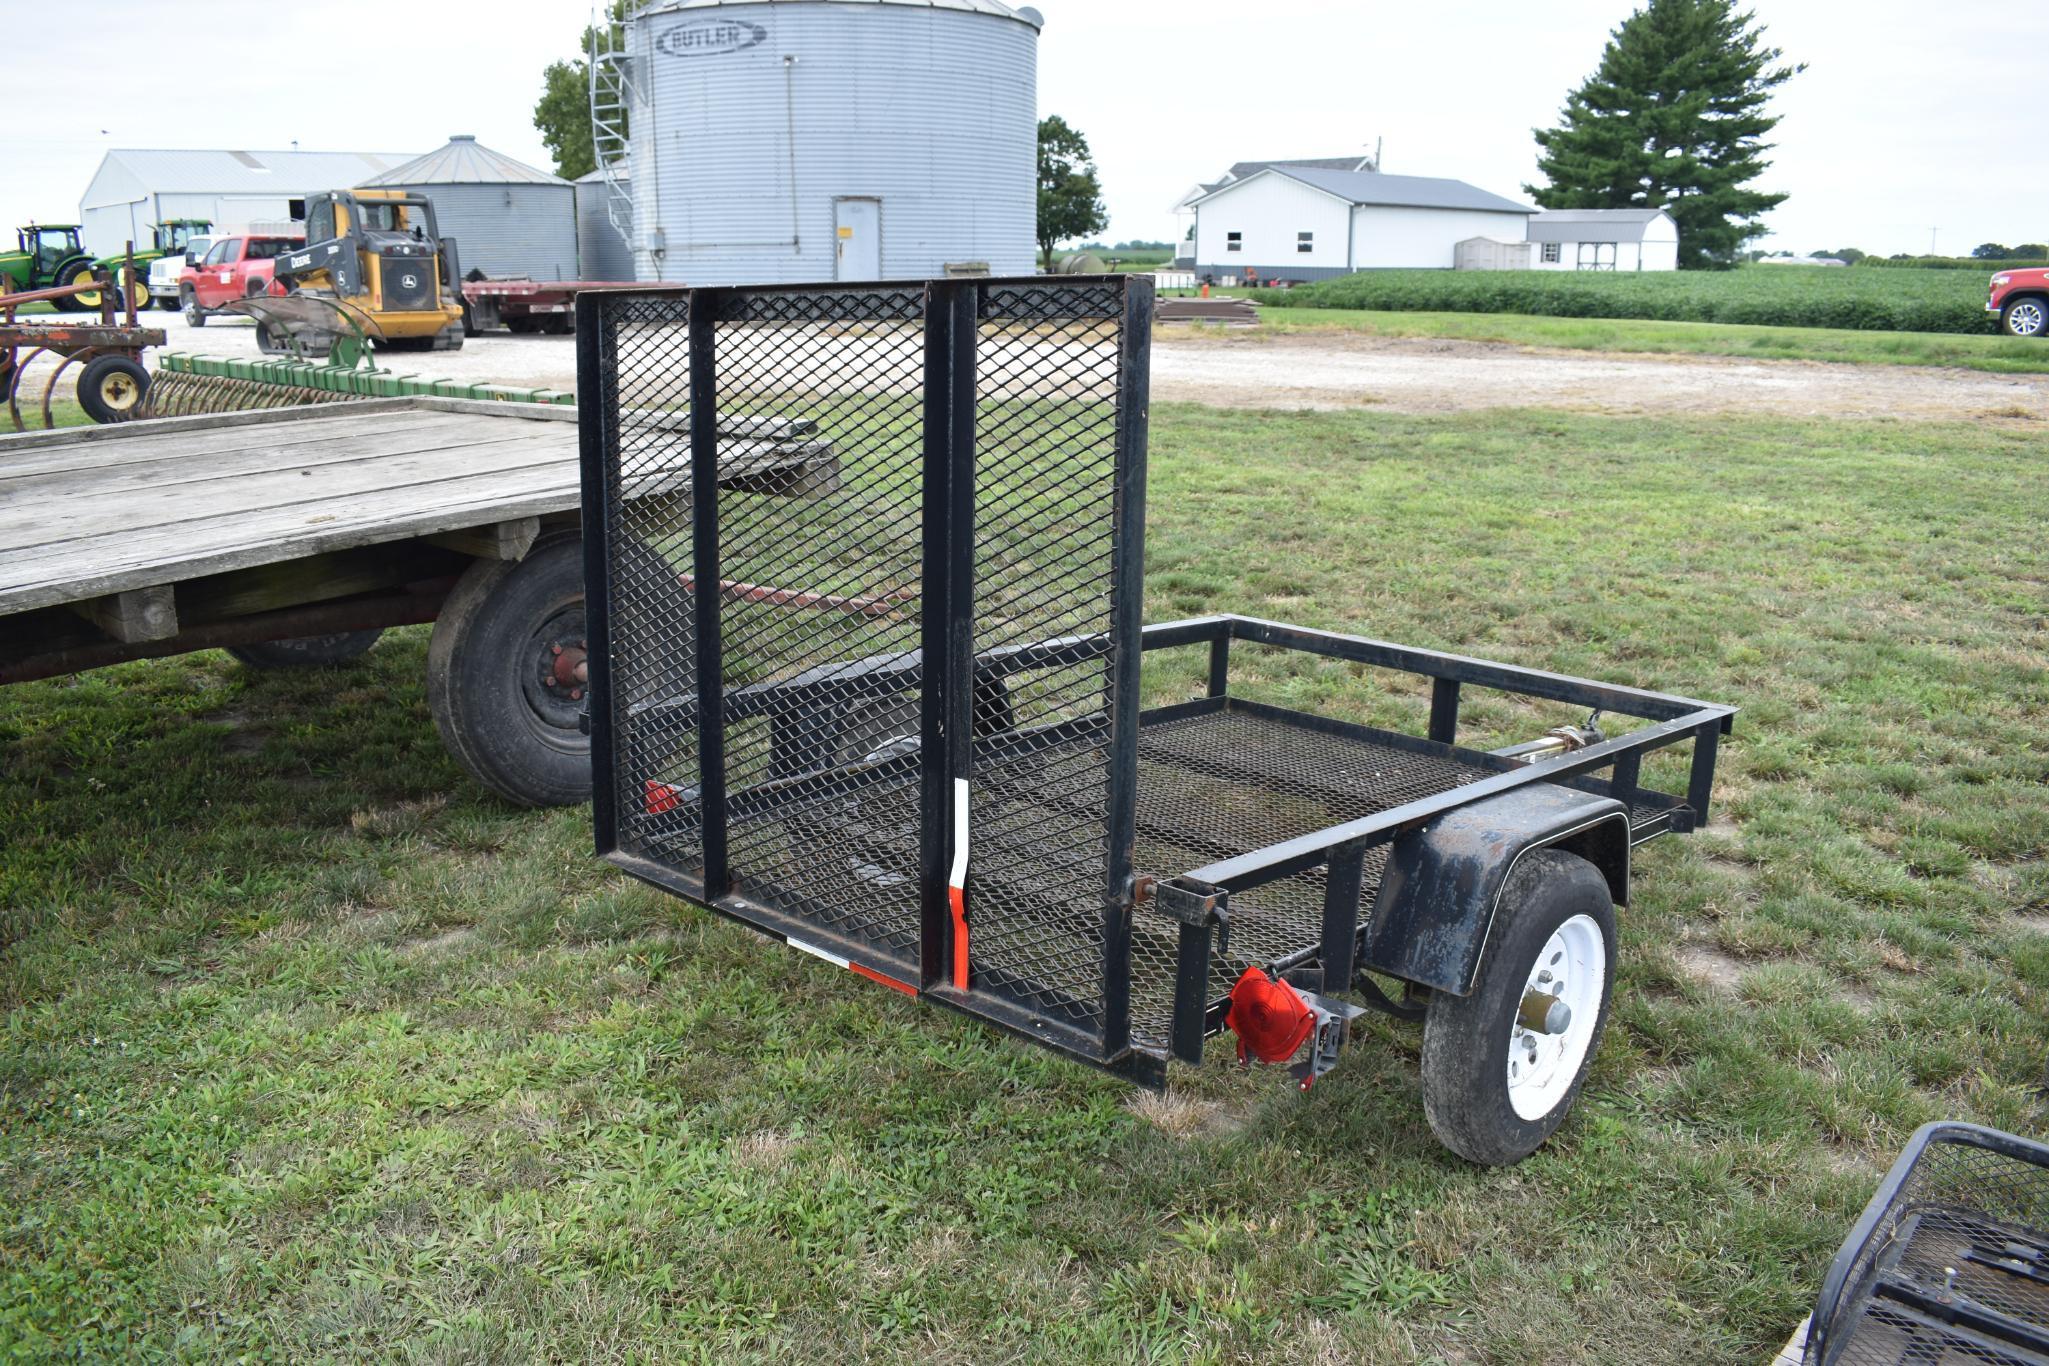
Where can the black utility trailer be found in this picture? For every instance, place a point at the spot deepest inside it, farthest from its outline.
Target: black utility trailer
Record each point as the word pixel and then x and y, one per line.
pixel 905 732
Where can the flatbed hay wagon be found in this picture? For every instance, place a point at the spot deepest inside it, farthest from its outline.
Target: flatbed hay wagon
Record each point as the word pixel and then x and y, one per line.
pixel 294 537
pixel 905 734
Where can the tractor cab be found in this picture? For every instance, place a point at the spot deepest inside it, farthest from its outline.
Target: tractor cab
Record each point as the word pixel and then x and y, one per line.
pixel 173 235
pixel 49 245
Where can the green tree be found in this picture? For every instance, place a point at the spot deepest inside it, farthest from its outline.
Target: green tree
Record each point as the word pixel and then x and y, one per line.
pixel 563 113
pixel 1991 251
pixel 2031 251
pixel 1070 196
pixel 1673 118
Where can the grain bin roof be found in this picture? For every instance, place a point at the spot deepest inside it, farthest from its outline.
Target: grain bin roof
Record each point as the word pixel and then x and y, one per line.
pixel 197 171
pixel 1024 14
pixel 1592 225
pixel 464 161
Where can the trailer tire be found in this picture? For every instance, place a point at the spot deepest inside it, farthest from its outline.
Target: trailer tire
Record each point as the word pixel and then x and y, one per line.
pixel 486 674
pixel 1555 907
pixel 112 388
pixel 307 652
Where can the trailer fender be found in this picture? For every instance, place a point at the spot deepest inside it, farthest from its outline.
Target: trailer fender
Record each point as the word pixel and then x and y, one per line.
pixel 1442 888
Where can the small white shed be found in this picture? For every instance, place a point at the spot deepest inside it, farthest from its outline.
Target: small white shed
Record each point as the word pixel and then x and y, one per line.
pixel 1604 239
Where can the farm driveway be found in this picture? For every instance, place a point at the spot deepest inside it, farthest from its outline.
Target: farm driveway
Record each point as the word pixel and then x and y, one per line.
pixel 1410 375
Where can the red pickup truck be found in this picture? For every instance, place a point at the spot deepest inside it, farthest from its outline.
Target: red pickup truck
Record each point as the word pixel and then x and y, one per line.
pixel 2021 299
pixel 237 267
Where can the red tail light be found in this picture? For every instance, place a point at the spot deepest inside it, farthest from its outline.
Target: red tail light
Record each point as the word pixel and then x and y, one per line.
pixel 1269 1017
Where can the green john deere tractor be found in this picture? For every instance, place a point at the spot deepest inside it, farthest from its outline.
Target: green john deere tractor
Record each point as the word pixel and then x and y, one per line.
pixel 168 239
pixel 47 255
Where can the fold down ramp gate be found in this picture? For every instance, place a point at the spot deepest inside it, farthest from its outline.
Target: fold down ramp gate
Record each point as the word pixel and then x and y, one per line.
pixel 883 705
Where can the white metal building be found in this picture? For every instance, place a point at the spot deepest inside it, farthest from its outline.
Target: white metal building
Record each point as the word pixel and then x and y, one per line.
pixel 136 187
pixel 1298 222
pixel 509 220
pixel 1604 239
pixel 813 140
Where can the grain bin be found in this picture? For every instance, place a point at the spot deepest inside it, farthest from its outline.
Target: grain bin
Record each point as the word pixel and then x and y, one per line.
pixel 508 219
pixel 776 141
pixel 601 249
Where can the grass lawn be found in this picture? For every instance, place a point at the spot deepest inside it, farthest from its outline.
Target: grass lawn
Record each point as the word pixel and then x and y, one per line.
pixel 312 1050
pixel 1999 355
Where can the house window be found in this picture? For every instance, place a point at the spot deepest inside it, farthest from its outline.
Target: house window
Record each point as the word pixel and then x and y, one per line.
pixel 1550 253
pixel 1305 241
pixel 1234 241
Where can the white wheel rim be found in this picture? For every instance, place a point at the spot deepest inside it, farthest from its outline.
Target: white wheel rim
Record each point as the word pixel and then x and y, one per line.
pixel 2027 319
pixel 1573 966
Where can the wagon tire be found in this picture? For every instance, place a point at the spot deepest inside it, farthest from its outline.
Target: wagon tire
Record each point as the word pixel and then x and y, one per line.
pixel 1555 913
pixel 2027 317
pixel 487 666
pixel 307 652
pixel 112 388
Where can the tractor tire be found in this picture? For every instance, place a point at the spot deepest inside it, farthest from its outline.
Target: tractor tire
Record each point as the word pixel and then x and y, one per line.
pixel 1495 1089
pixel 88 302
pixel 307 652
pixel 195 316
pixel 506 633
pixel 2026 317
pixel 142 294
pixel 112 388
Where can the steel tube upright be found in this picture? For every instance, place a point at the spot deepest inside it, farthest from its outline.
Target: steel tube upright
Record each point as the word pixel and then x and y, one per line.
pixel 946 708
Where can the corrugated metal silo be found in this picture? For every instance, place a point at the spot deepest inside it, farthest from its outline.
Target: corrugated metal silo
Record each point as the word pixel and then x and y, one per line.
pixel 507 218
pixel 601 249
pixel 808 140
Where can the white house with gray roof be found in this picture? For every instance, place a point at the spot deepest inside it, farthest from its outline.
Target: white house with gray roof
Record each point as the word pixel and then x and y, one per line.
pixel 1302 221
pixel 1603 239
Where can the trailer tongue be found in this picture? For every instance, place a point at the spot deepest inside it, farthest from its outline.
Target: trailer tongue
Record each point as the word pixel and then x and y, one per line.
pixel 951 788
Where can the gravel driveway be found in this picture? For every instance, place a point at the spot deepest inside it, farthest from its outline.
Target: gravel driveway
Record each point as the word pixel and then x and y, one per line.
pixel 1411 375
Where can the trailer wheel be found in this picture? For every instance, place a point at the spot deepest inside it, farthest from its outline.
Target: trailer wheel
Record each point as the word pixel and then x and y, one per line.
pixel 1502 1066
pixel 504 678
pixel 111 388
pixel 307 652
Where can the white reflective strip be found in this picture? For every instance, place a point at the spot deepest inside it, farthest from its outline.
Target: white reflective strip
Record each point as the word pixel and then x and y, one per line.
pixel 959 876
pixel 817 952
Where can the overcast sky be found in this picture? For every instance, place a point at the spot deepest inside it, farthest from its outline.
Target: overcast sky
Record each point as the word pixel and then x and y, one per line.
pixel 1912 119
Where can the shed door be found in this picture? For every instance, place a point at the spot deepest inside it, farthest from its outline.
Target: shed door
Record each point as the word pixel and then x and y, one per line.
pixel 857 234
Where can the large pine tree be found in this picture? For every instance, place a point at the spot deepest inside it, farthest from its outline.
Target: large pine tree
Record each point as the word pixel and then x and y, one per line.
pixel 1674 119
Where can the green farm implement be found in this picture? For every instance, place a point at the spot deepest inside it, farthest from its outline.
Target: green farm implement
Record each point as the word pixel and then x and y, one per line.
pixel 325 353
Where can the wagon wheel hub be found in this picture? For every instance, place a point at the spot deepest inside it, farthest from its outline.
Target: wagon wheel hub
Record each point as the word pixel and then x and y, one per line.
pixel 1554 1028
pixel 558 669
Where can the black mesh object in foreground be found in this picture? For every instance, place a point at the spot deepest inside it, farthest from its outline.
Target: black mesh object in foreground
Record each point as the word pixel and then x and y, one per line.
pixel 1950 1261
pixel 863 566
